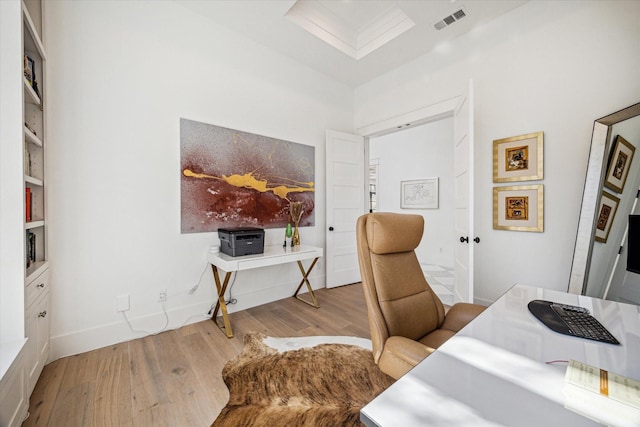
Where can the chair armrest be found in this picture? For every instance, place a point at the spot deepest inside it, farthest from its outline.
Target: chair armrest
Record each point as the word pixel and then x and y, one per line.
pixel 400 354
pixel 461 314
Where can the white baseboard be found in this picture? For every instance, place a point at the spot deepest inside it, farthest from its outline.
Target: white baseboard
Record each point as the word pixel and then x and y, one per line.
pixel 105 335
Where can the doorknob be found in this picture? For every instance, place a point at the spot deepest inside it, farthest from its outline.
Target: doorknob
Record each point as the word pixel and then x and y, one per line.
pixel 464 239
pixel 330 228
pixel 477 240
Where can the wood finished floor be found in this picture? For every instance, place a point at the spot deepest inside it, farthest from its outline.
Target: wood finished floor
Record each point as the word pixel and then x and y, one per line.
pixel 174 378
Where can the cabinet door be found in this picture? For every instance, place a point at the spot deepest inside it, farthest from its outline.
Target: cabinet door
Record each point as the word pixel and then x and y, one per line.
pixel 37 329
pixel 13 397
pixel 43 331
pixel 31 350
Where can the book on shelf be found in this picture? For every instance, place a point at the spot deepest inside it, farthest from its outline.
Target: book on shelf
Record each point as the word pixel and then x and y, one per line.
pixel 30 73
pixel 28 68
pixel 27 161
pixel 603 396
pixel 30 248
pixel 27 203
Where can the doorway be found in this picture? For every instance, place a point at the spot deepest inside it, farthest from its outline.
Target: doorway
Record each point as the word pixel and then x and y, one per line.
pixel 420 152
pixel 460 108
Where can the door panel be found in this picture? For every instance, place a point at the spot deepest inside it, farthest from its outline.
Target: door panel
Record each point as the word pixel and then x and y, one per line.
pixel 463 167
pixel 345 203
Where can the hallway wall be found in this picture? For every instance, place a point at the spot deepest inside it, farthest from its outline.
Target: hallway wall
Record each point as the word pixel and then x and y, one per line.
pixel 424 151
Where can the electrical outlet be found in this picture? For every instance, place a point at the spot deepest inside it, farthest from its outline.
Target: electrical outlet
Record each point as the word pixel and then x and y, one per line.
pixel 122 303
pixel 162 297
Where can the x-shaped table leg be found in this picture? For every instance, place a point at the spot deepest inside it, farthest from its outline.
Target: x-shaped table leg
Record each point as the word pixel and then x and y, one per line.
pixel 221 304
pixel 305 279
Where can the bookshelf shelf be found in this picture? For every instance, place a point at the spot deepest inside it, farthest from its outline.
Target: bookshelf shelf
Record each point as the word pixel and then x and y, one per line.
pixel 32 137
pixel 31 95
pixel 33 224
pixel 33 181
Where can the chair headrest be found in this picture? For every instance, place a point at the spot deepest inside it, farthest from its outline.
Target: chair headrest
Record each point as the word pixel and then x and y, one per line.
pixel 389 233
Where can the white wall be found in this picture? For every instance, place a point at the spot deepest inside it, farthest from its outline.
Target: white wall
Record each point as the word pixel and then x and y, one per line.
pixel 547 66
pixel 424 151
pixel 121 76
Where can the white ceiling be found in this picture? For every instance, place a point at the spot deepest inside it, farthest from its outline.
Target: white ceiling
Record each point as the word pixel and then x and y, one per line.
pixel 265 21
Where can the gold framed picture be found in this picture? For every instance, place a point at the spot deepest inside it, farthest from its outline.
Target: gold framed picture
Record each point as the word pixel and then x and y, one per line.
pixel 619 164
pixel 519 208
pixel 606 214
pixel 519 158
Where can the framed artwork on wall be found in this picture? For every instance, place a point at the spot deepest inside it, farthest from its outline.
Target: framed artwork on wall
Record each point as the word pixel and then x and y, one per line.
pixel 619 164
pixel 231 178
pixel 419 194
pixel 518 158
pixel 606 214
pixel 519 208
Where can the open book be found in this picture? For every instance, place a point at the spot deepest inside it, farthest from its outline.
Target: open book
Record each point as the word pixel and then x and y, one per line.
pixel 605 397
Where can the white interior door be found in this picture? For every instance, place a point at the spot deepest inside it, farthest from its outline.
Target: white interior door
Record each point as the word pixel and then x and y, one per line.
pixel 463 173
pixel 345 174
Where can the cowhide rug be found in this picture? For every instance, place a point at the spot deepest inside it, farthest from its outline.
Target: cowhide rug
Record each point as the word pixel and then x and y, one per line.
pixel 324 385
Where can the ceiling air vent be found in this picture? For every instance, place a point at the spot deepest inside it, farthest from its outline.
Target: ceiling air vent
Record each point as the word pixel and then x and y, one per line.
pixel 459 15
pixel 449 20
pixel 445 22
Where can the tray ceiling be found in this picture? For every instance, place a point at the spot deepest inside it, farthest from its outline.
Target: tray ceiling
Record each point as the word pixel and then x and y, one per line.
pixel 352 41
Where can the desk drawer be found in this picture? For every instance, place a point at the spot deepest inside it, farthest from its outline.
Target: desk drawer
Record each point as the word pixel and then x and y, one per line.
pixel 37 287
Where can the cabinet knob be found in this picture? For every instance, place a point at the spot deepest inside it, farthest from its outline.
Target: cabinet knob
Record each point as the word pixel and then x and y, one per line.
pixel 330 228
pixel 477 240
pixel 42 313
pixel 41 285
pixel 464 239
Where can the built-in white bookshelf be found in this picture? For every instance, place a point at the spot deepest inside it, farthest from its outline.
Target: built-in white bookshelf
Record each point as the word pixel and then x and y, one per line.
pixel 24 308
pixel 34 144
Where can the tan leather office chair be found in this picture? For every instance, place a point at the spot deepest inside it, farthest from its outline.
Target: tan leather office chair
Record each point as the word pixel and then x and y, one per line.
pixel 406 318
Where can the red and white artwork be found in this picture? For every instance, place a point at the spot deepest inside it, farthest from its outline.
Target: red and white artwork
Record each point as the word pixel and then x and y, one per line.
pixel 231 178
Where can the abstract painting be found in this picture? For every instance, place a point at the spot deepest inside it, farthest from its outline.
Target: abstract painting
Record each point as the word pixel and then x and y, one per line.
pixel 230 178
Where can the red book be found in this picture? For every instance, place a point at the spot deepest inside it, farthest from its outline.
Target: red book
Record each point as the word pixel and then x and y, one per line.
pixel 28 204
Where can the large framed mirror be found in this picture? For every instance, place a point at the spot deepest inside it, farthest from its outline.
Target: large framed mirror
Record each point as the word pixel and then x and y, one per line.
pixel 599 260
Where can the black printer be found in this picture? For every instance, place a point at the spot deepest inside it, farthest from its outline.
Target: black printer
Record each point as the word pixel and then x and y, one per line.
pixel 241 241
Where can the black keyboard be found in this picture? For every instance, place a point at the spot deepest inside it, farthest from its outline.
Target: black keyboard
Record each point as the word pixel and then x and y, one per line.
pixel 570 320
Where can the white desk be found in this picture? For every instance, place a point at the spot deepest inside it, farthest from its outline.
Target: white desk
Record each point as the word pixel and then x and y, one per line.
pixel 493 372
pixel 272 255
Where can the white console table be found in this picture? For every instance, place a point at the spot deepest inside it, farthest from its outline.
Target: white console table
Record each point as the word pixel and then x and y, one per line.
pixel 493 372
pixel 272 255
